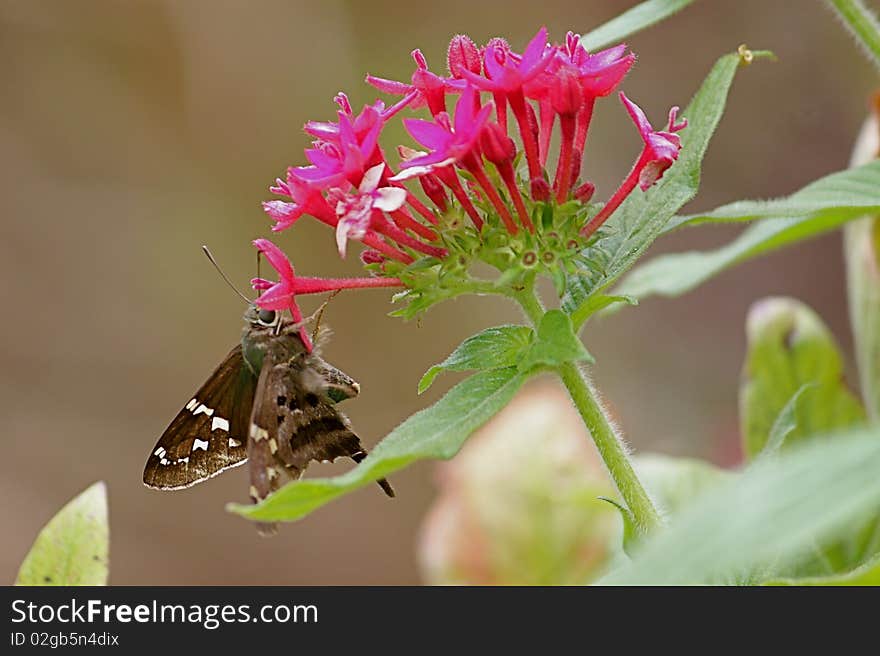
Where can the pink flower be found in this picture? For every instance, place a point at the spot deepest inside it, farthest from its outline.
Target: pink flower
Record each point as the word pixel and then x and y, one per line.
pixel 281 295
pixel 660 151
pixel 346 157
pixel 507 71
pixel 448 143
pixel 427 88
pixel 355 211
pixel 307 199
pixel 601 72
pixel 661 148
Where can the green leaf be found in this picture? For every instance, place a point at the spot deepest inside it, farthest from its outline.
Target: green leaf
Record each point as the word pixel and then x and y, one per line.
pixel 773 513
pixel 818 208
pixel 493 348
pixel 789 347
pixel 630 532
pixel 867 574
pixel 851 191
pixel 785 422
pixel 631 21
pixel 595 303
pixel 862 24
pixel 643 216
pixel 436 432
pixel 556 344
pixel 72 549
pixel 673 275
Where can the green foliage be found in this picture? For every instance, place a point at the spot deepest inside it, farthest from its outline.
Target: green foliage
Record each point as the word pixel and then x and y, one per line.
pixel 867 574
pixel 72 549
pixel 556 344
pixel 789 348
pixel 785 423
pixel 677 482
pixel 820 207
pixel 861 247
pixel 772 514
pixel 436 432
pixel 631 21
pixel 493 348
pixel 643 216
pixel 862 24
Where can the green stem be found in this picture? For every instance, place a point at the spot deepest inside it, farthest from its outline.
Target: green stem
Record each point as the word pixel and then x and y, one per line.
pixel 611 449
pixel 862 23
pixel 608 443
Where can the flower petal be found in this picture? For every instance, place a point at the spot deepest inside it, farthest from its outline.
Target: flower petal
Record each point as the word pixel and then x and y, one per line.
pixel 389 199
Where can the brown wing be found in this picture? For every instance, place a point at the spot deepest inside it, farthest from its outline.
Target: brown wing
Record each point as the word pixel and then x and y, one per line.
pixel 209 434
pixel 294 422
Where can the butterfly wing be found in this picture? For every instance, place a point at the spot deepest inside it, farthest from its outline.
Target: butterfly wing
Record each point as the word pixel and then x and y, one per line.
pixel 209 434
pixel 294 422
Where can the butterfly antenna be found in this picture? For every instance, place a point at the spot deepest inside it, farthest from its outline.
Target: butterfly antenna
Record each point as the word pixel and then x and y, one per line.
pixel 224 276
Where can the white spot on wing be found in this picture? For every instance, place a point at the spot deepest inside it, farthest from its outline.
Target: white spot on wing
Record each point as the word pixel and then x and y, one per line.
pixel 273 445
pixel 192 404
pixel 234 442
pixel 160 452
pixel 203 408
pixel 200 444
pixel 221 423
pixel 258 433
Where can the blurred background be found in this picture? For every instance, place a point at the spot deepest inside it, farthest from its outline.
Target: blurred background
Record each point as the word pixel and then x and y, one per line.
pixel 133 132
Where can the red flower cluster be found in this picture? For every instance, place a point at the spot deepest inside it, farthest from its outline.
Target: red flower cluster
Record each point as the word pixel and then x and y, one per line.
pixel 350 185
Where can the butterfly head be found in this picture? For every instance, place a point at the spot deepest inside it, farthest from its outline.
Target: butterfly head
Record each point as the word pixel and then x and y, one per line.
pixel 262 320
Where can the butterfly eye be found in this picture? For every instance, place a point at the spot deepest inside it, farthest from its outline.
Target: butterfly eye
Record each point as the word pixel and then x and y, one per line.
pixel 266 317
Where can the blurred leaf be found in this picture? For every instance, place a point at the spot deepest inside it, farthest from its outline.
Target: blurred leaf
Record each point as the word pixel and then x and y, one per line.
pixel 773 513
pixel 867 574
pixel 72 549
pixel 643 215
pixel 675 483
pixel 435 432
pixel 785 423
pixel 861 246
pixel 556 344
pixel 820 207
pixel 631 21
pixel 493 348
pixel 789 347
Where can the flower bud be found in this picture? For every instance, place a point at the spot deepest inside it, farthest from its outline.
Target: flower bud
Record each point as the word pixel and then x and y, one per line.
pixel 566 94
pixel 540 189
pixel 462 54
pixel 585 192
pixel 497 146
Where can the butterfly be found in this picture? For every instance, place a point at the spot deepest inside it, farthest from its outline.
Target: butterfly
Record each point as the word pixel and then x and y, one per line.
pixel 271 403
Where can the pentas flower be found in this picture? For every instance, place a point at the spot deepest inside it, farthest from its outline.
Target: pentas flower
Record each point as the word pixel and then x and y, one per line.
pixel 660 152
pixel 344 159
pixel 355 212
pixel 280 296
pixel 427 88
pixel 448 143
pixel 484 190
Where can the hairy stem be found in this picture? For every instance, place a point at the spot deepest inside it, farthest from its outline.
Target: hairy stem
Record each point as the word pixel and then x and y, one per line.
pixel 862 23
pixel 608 443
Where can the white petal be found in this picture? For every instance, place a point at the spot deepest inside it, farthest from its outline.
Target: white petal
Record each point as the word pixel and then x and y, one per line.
pixel 389 199
pixel 341 237
pixel 371 178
